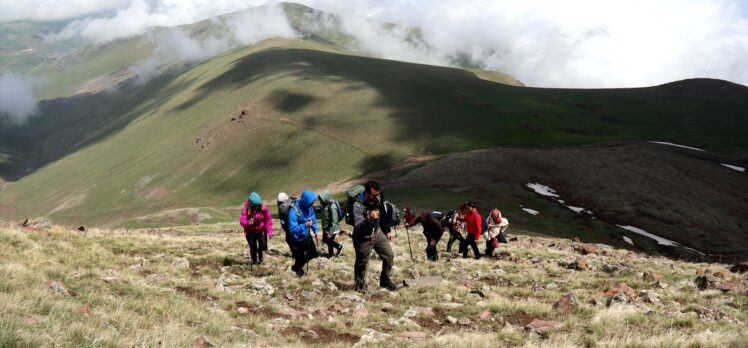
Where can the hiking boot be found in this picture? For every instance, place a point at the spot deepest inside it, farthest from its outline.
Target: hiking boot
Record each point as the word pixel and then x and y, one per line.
pixel 340 250
pixel 361 286
pixel 389 285
pixel 300 273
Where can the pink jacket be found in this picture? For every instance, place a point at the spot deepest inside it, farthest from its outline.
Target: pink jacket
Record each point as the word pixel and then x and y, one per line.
pixel 261 220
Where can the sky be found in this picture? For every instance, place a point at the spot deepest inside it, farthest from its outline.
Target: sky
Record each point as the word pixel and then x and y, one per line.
pixel 543 43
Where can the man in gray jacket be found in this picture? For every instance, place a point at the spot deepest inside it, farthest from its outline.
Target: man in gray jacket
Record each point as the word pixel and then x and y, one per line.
pixel 371 232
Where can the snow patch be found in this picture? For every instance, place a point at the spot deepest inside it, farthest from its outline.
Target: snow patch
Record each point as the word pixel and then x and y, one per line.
pixel 543 190
pixel 628 240
pixel 531 211
pixel 740 169
pixel 579 210
pixel 658 239
pixel 677 145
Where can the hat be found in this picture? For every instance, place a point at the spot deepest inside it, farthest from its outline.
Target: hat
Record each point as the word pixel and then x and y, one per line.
pixel 282 197
pixel 496 215
pixel 254 199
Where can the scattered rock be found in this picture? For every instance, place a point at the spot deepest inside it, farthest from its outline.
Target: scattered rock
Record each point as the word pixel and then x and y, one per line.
pixel 585 249
pixel 414 335
pixel 82 228
pixel 424 281
pixel 387 307
pixel 579 263
pixel 202 342
pixel 721 275
pixel 452 320
pixel 653 276
pixel 536 259
pixel 181 262
pixel 541 327
pixel 289 297
pixel 659 285
pixel 350 298
pixel 484 315
pixel 261 286
pixel 371 337
pixel 613 268
pixel 478 292
pixel 739 267
pixel 737 285
pixel 650 297
pixel 551 286
pixel 57 288
pixel 619 298
pixel 242 310
pixel 620 288
pixel 704 282
pixel 566 304
pixel 465 321
pixel 447 297
pixel 360 312
pixel 278 324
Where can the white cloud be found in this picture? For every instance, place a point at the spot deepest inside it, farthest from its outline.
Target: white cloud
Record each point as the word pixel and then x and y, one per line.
pixel 48 10
pixel 576 43
pixel 17 97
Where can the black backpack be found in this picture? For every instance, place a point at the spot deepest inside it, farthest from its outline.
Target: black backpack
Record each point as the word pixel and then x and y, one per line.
pixel 352 194
pixel 283 209
pixel 392 212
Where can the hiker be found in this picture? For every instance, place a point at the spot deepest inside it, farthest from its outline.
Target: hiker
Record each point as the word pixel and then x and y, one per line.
pixel 432 230
pixel 452 223
pixel 258 226
pixel 473 223
pixel 494 234
pixel 284 204
pixel 302 230
pixel 331 214
pixel 371 232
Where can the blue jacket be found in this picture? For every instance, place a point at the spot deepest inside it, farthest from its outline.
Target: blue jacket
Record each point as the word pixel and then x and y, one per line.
pixel 296 227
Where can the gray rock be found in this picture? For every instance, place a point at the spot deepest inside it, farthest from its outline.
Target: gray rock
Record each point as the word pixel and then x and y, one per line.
pixel 58 289
pixel 261 286
pixel 181 263
pixel 452 320
pixel 371 337
pixel 465 321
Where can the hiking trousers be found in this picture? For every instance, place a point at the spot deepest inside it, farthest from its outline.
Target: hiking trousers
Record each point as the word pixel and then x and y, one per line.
pixel 470 242
pixel 331 243
pixel 302 252
pixel 257 243
pixel 363 250
pixel 455 236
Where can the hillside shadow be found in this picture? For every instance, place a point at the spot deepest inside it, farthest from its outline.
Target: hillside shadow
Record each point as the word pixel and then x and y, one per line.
pixel 64 126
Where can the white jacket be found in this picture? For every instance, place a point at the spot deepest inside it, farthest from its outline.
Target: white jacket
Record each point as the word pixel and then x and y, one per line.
pixel 494 229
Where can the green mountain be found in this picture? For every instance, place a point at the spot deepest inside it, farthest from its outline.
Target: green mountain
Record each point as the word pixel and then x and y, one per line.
pixel 289 114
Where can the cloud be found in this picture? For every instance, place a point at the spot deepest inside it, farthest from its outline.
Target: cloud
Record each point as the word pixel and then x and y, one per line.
pixel 579 43
pixel 175 46
pixel 17 100
pixel 583 43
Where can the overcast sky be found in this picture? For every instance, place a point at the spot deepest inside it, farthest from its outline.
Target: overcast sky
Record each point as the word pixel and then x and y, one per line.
pixel 586 43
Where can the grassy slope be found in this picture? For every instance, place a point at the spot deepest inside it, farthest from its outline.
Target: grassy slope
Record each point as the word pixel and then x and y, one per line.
pixel 136 296
pixel 316 117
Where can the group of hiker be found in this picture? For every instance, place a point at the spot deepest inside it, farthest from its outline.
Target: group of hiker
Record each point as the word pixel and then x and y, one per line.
pixel 373 219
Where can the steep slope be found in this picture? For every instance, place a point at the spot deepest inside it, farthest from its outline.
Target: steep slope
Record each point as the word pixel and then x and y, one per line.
pixel 315 117
pixel 169 287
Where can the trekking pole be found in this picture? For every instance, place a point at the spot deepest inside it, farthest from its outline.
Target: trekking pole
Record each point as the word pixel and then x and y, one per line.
pixel 407 233
pixel 316 239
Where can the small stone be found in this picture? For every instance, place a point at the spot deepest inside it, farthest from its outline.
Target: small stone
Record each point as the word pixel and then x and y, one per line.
pixel 387 307
pixel 57 288
pixel 82 228
pixel 585 249
pixel 360 312
pixel 371 337
pixel 447 297
pixel 653 276
pixel 541 327
pixel 202 342
pixel 289 297
pixel 181 262
pixel 650 297
pixel 484 315
pixel 736 285
pixel 721 275
pixel 620 288
pixel 452 320
pixel 620 297
pixel 566 304
pixel 536 259
pixel 242 310
pixel 465 321
pixel 551 286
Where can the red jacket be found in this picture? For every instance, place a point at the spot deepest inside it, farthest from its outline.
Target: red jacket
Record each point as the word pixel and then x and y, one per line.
pixel 473 223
